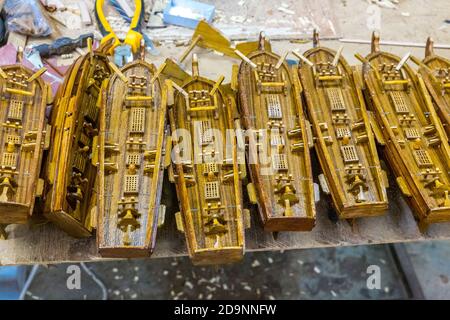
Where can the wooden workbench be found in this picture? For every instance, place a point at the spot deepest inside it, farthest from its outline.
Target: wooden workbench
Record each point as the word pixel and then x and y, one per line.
pixel 46 244
pixel 31 244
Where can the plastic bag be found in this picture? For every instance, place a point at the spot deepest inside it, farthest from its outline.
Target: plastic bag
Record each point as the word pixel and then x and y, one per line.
pixel 25 16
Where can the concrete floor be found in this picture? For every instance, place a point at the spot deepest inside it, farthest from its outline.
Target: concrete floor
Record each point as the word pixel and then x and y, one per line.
pixel 338 273
pixel 335 273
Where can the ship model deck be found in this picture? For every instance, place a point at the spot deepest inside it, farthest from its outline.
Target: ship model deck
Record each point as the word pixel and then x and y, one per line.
pixel 278 156
pixel 415 143
pixel 206 170
pixel 70 172
pixel 22 138
pixel 435 71
pixel 132 123
pixel 345 144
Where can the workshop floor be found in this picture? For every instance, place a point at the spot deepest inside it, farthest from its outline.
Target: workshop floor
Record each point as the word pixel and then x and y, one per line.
pixel 334 273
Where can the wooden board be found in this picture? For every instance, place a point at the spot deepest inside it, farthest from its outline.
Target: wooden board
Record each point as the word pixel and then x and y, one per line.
pixel 239 20
pixel 46 244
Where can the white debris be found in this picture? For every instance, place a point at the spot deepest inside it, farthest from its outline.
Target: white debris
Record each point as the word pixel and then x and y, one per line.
pixel 288 11
pixel 189 285
pixel 165 272
pixel 115 270
pixel 300 262
pixel 387 289
pixel 270 260
pixel 316 269
pixel 237 19
pixel 116 292
pixel 271 297
pixel 224 286
pixel 255 264
pixel 134 296
pixel 209 297
pixel 135 279
pixel 406 14
pixel 389 4
pixel 136 268
pixel 211 289
pixel 334 294
pixel 200 296
pixel 248 288
pixel 117 277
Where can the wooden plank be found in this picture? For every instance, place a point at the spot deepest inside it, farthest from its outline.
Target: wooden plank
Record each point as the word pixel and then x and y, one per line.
pixel 46 244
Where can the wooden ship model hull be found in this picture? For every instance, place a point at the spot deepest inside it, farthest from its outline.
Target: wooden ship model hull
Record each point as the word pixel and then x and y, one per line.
pixel 22 141
pixel 206 170
pixel 345 144
pixel 435 71
pixel 278 157
pixel 415 144
pixel 132 130
pixel 71 174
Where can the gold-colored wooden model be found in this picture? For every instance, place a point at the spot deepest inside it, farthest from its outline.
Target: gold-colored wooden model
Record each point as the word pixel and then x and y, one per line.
pixel 23 138
pixel 71 172
pixel 414 141
pixel 278 156
pixel 132 131
pixel 345 144
pixel 205 167
pixel 435 71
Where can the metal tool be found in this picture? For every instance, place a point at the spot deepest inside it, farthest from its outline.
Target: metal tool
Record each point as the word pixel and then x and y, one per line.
pixel 63 45
pixel 122 50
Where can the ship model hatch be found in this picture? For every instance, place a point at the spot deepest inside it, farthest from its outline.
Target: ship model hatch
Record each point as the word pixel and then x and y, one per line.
pixel 71 173
pixel 22 141
pixel 416 145
pixel 278 141
pixel 132 131
pixel 205 168
pixel 345 144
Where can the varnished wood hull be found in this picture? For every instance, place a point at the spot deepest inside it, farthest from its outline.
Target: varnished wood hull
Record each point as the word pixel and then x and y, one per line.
pixel 436 87
pixel 70 173
pixel 416 146
pixel 339 118
pixel 129 178
pixel 296 181
pixel 22 136
pixel 209 196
